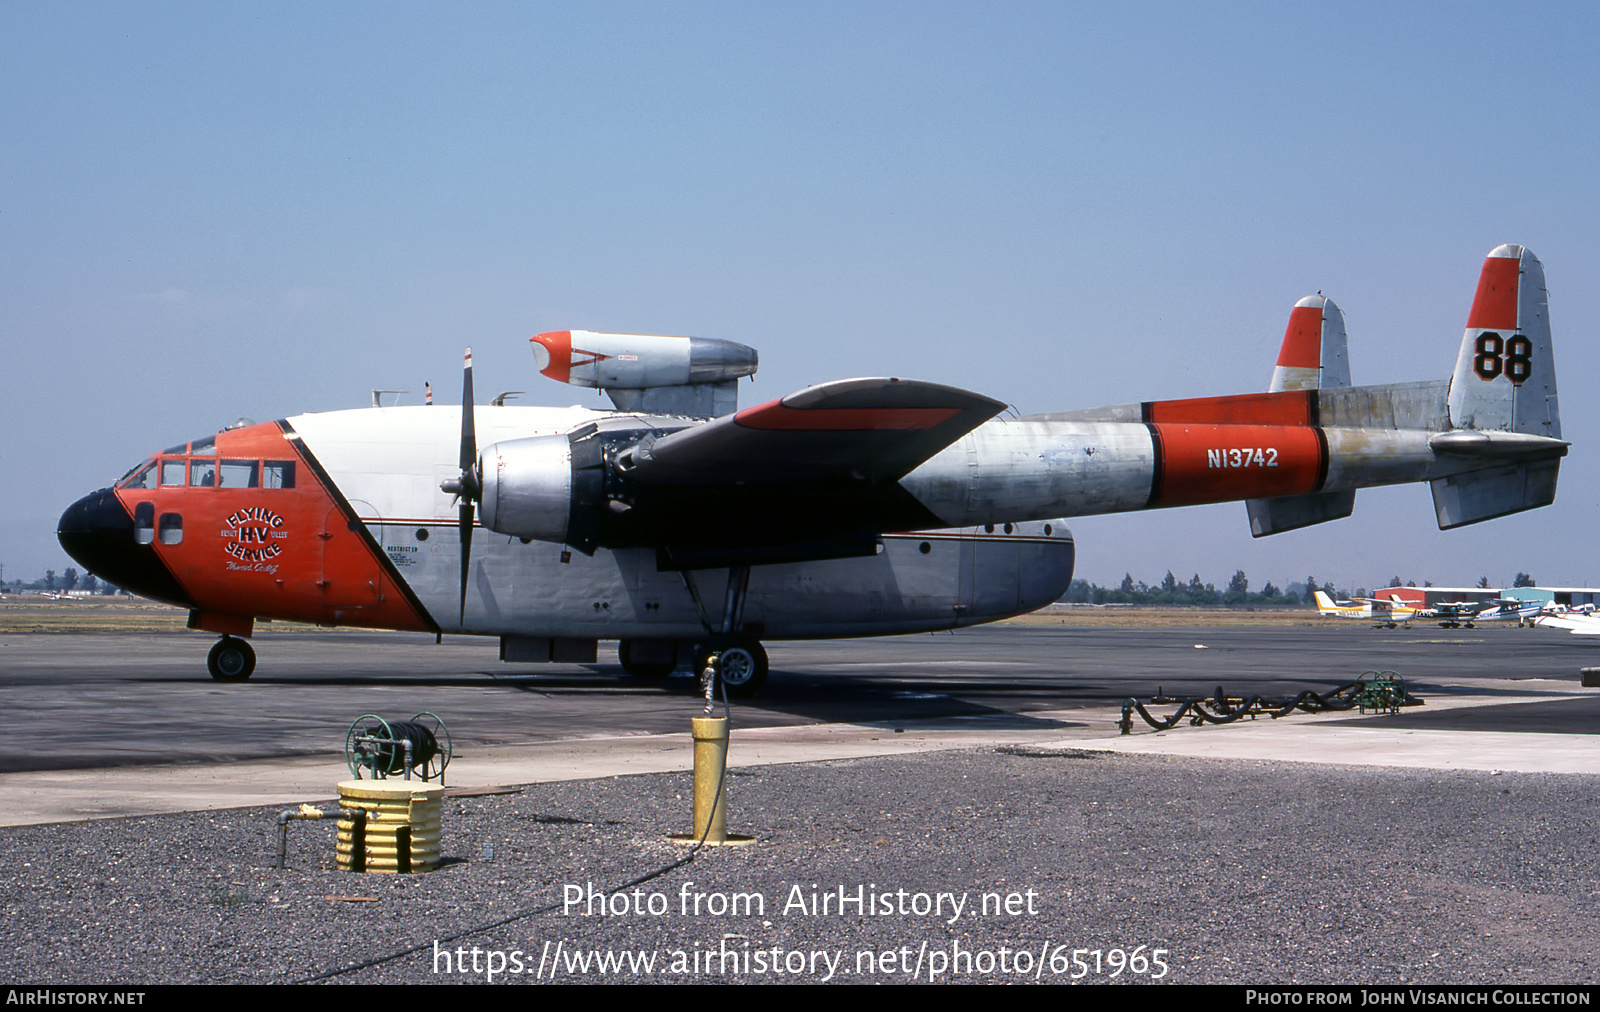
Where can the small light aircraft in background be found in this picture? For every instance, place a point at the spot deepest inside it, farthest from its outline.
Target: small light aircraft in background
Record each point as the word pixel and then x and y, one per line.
pixel 1578 621
pixel 1382 613
pixel 1455 614
pixel 1508 609
pixel 684 527
pixel 1358 608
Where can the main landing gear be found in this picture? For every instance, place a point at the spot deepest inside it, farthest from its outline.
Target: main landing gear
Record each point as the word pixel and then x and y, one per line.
pixel 742 661
pixel 741 664
pixel 231 660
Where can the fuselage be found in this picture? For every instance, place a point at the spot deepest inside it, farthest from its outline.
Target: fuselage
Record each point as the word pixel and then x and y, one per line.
pixel 337 518
pixel 341 518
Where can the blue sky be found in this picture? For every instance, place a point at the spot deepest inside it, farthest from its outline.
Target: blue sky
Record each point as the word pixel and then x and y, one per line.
pixel 211 211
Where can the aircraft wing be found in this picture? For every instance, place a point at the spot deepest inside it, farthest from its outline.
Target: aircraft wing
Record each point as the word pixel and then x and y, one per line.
pixel 1578 625
pixel 858 430
pixel 809 476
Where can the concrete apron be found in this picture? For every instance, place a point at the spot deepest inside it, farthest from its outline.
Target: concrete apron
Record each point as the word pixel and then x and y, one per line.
pixel 67 795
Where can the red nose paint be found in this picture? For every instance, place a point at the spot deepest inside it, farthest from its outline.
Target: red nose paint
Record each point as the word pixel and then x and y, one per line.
pixel 250 551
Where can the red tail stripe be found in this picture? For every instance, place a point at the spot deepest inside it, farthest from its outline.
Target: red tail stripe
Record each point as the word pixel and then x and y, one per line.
pixel 1495 305
pixel 1302 342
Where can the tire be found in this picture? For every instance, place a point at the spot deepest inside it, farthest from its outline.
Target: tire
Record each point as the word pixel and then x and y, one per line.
pixel 742 667
pixel 642 669
pixel 231 660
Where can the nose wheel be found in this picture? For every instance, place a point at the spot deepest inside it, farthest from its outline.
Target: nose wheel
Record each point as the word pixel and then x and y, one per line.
pixel 231 660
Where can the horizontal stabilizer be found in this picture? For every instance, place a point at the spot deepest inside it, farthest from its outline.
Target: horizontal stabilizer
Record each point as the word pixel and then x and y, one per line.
pixel 1495 492
pixel 1497 444
pixel 1288 513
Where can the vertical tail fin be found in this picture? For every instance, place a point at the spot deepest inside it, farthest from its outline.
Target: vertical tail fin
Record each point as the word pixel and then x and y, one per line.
pixel 1314 356
pixel 1505 378
pixel 1505 381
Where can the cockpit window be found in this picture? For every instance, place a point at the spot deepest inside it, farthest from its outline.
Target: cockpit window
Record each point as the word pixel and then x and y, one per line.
pixel 278 474
pixel 240 474
pixel 175 450
pixel 205 446
pixel 142 476
pixel 209 472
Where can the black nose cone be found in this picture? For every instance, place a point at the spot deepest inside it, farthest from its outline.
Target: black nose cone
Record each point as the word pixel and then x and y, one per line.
pixel 98 533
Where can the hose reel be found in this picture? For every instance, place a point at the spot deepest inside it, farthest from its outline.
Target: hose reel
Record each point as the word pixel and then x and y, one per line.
pixel 1377 691
pixel 385 748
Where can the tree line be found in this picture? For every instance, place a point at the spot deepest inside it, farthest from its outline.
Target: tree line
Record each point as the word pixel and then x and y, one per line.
pixel 70 580
pixel 1173 591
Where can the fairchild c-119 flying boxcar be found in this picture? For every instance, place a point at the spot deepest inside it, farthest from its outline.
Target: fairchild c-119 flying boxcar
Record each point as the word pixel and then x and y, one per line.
pixel 682 526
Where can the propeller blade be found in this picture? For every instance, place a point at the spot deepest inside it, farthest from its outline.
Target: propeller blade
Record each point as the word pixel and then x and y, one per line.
pixel 469 490
pixel 469 439
pixel 465 527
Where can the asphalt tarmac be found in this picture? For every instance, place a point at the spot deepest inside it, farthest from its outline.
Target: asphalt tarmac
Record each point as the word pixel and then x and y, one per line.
pixel 93 700
pixel 1449 843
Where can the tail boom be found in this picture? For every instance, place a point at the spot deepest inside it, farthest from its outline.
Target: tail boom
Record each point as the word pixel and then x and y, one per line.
pixel 1488 443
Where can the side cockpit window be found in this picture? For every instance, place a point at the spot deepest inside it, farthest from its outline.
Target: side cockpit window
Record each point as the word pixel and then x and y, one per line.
pixel 172 472
pixel 278 474
pixel 203 474
pixel 171 528
pixel 240 474
pixel 144 523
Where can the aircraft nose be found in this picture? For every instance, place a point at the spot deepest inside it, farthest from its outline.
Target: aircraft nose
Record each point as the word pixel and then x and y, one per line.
pixel 97 531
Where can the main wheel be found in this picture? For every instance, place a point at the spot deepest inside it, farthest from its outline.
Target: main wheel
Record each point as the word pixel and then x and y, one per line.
pixel 743 667
pixel 642 669
pixel 231 660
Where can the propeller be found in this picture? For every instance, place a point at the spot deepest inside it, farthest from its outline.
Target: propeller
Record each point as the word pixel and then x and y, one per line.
pixel 468 488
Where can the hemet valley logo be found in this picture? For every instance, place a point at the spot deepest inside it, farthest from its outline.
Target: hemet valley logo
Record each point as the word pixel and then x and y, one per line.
pixel 252 534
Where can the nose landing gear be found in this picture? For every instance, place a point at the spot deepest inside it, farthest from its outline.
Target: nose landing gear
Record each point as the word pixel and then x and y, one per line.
pixel 231 660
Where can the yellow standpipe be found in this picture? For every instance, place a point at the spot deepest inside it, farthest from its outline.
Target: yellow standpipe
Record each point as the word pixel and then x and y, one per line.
pixel 389 826
pixel 710 767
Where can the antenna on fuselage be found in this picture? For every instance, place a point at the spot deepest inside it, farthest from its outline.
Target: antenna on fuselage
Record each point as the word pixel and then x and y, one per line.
pixel 377 396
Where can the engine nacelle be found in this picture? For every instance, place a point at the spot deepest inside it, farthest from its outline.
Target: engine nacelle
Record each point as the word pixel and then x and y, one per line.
pixel 639 361
pixel 527 487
